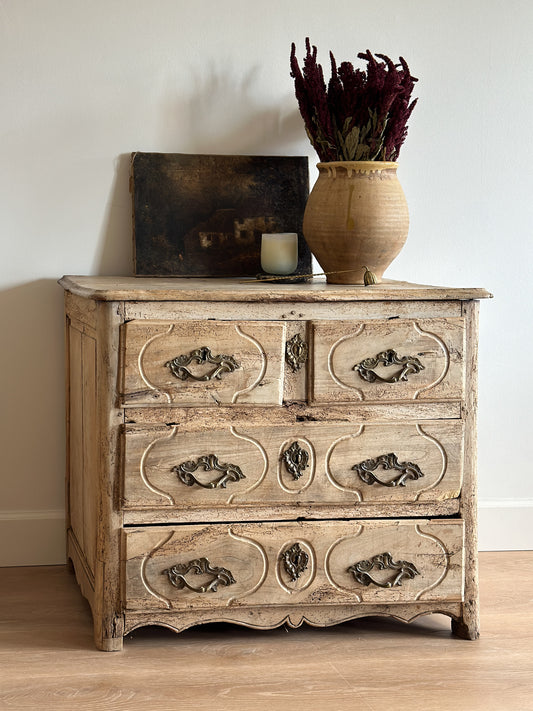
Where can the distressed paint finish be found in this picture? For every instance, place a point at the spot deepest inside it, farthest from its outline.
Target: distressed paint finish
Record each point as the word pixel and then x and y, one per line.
pixel 125 449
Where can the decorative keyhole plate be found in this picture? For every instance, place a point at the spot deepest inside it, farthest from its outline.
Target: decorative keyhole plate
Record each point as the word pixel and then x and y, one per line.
pixel 296 352
pixel 295 561
pixel 296 460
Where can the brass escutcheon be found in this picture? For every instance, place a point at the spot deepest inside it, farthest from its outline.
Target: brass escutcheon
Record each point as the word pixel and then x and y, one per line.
pixel 224 364
pixel 209 462
pixel 220 576
pixel 296 460
pixel 407 470
pixel 296 352
pixel 410 365
pixel 404 569
pixel 295 561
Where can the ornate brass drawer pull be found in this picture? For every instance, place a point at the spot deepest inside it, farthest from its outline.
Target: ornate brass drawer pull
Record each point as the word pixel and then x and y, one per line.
pixel 209 462
pixel 296 460
pixel 407 470
pixel 176 574
pixel 410 366
pixel 383 561
pixel 224 364
pixel 296 352
pixel 295 561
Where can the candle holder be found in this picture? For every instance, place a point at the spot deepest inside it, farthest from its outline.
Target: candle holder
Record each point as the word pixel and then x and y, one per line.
pixel 279 253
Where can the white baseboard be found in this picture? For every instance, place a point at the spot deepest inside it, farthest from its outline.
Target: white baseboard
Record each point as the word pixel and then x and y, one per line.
pixel 38 537
pixel 32 538
pixel 506 525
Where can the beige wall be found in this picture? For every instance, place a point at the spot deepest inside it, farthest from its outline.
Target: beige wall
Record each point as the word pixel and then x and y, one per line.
pixel 85 83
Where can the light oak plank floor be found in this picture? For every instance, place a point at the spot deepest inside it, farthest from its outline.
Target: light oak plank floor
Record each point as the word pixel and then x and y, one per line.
pixel 47 658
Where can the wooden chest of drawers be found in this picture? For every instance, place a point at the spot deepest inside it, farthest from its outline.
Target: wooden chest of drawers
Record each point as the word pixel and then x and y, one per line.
pixel 270 454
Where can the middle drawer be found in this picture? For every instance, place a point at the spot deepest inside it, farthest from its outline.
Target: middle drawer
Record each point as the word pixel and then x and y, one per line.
pixel 305 463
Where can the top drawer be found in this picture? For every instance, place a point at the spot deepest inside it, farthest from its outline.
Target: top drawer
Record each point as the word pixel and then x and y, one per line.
pixel 388 360
pixel 203 362
pixel 199 363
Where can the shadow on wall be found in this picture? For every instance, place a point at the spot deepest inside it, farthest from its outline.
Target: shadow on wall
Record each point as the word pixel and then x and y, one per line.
pixel 224 115
pixel 221 116
pixel 114 254
pixel 32 439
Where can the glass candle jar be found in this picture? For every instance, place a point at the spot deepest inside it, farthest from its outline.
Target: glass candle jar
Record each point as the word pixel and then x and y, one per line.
pixel 279 253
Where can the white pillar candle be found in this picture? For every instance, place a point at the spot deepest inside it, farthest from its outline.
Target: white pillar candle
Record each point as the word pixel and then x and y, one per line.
pixel 279 253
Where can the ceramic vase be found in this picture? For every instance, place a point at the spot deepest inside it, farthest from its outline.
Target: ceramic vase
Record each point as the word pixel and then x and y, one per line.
pixel 356 217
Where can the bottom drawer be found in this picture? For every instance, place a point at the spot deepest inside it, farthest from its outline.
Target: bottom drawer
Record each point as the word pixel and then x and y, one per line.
pixel 303 563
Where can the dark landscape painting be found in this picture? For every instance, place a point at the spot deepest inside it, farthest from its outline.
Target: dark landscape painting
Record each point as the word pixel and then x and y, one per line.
pixel 203 215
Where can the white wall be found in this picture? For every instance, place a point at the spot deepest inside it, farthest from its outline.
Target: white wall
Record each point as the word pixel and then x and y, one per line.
pixel 85 83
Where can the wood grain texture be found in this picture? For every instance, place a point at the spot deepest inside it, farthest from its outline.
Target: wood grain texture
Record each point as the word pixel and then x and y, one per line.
pixel 253 553
pixel 152 455
pixel 199 419
pixel 81 309
pixel 468 625
pixel 289 617
pixel 131 517
pixel 437 345
pixel 74 413
pixel 48 660
pixel 107 610
pixel 293 311
pixel 144 289
pixel 254 352
pixel 287 511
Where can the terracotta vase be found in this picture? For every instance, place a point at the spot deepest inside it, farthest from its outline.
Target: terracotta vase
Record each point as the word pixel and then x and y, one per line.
pixel 356 216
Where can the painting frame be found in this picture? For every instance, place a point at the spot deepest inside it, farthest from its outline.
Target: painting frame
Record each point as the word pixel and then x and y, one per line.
pixel 200 215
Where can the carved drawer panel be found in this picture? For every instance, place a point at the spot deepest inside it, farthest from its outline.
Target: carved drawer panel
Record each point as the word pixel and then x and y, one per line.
pixel 203 362
pixel 306 463
pixel 388 361
pixel 329 562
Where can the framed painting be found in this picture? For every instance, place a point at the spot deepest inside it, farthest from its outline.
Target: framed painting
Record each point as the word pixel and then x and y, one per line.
pixel 203 215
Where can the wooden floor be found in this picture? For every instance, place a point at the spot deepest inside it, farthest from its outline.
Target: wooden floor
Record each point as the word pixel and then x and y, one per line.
pixel 47 658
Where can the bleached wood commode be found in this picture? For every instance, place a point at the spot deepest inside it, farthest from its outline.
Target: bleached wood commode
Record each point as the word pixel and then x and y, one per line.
pixel 268 454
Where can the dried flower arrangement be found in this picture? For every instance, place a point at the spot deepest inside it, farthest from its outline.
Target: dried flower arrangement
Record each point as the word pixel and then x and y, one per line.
pixel 360 115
